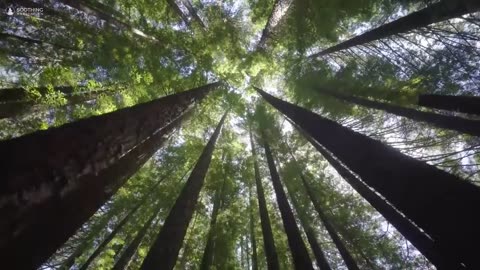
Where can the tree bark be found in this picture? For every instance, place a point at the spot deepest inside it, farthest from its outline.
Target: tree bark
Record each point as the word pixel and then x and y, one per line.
pixel 164 251
pixel 278 11
pixel 436 201
pixel 48 194
pixel 127 255
pixel 442 11
pixel 412 233
pixel 464 104
pixel 462 125
pixel 268 240
pixel 320 258
pixel 300 256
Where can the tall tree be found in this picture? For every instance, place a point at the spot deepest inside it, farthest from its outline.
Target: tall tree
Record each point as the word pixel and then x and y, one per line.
pixel 410 231
pixel 217 205
pixel 433 199
pixel 464 104
pixel 301 259
pixel 49 193
pixel 125 258
pixel 164 251
pixel 322 262
pixel 280 7
pixel 268 241
pixel 253 239
pixel 463 125
pixel 441 11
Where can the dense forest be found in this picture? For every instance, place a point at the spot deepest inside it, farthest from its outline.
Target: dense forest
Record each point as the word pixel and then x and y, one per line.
pixel 239 134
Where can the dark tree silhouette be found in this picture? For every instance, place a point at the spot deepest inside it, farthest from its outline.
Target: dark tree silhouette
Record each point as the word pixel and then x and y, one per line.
pixel 300 256
pixel 164 251
pixel 441 11
pixel 435 200
pixel 268 241
pixel 464 104
pixel 49 193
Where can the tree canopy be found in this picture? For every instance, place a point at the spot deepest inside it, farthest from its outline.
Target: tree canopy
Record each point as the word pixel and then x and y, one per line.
pixel 239 134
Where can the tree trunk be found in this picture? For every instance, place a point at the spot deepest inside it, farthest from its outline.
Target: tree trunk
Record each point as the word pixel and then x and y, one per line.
pixel 464 104
pixel 178 11
pixel 268 240
pixel 193 12
pixel 322 262
pixel 127 255
pixel 280 7
pixel 32 41
pixel 412 233
pixel 110 236
pixel 438 202
pixel 299 251
pixel 207 257
pixel 252 230
pixel 164 251
pixel 49 193
pixel 462 125
pixel 442 11
pixel 87 241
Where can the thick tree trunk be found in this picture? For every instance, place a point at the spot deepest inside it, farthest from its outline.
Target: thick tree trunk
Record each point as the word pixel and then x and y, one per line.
pixel 268 240
pixel 48 194
pixel 464 104
pixel 207 257
pixel 438 202
pixel 442 11
pixel 412 233
pixel 253 240
pixel 299 251
pixel 322 262
pixel 164 251
pixel 463 125
pixel 127 255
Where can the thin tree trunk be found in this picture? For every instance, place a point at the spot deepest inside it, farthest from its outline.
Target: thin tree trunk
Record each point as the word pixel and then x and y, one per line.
pixel 32 41
pixel 280 7
pixel 207 256
pixel 436 201
pixel 127 255
pixel 252 230
pixel 299 251
pixel 346 255
pixel 178 11
pixel 442 11
pixel 268 240
pixel 412 233
pixel 164 251
pixel 110 236
pixel 464 104
pixel 322 262
pixel 193 12
pixel 87 241
pixel 462 125
pixel 70 171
